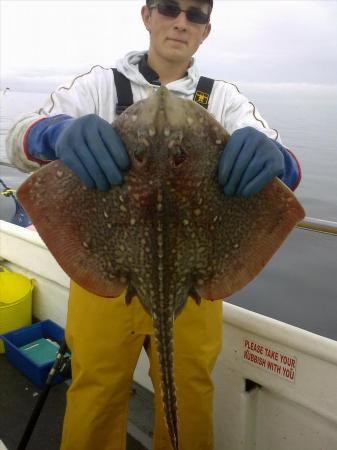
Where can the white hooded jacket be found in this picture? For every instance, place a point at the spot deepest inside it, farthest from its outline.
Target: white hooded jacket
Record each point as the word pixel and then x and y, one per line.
pixel 95 92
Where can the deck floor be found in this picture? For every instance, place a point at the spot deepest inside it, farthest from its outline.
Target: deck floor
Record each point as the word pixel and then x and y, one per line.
pixel 17 398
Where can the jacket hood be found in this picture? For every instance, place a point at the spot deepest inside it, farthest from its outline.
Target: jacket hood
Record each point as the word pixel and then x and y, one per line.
pixel 128 66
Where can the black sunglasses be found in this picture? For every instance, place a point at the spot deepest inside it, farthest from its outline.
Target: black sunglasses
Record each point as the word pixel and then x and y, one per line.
pixel 172 9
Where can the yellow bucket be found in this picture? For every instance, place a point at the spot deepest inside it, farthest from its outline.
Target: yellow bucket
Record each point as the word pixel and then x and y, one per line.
pixel 15 302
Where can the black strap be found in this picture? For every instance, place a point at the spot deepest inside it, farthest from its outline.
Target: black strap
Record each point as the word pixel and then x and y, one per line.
pixel 124 92
pixel 203 91
pixel 125 97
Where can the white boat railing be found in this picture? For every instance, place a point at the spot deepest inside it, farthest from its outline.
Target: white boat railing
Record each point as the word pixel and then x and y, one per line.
pixel 319 225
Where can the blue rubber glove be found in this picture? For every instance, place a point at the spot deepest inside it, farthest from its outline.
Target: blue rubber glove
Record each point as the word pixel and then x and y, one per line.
pixel 249 161
pixel 92 149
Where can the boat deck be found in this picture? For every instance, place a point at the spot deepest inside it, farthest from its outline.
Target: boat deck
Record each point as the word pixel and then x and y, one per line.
pixel 18 397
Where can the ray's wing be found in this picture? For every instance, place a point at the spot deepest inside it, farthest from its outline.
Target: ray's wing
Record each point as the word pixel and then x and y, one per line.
pixel 246 235
pixel 82 228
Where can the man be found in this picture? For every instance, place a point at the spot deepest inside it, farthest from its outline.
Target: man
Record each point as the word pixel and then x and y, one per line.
pixel 104 335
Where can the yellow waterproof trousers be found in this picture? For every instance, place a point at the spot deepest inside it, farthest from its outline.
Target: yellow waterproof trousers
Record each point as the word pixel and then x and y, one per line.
pixel 105 337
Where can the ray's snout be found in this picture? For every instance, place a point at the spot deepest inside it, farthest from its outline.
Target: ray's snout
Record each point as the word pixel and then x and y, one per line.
pixel 165 109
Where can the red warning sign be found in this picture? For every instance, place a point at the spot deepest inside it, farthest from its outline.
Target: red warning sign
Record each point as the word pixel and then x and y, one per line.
pixel 269 359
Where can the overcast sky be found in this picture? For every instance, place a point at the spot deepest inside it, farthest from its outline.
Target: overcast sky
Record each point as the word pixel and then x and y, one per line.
pixel 266 41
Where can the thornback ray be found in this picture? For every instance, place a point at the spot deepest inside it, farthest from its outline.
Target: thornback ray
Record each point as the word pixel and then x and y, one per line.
pixel 168 231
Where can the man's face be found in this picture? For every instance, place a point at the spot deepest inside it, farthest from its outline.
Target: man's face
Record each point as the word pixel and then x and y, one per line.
pixel 175 39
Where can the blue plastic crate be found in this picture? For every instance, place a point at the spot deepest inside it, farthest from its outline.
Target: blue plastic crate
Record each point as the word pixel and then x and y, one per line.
pixel 14 340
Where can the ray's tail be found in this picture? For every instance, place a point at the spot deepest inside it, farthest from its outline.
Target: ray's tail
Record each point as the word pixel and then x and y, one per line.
pixel 164 339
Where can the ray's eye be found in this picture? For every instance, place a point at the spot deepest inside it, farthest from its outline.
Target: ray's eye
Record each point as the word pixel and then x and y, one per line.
pixel 178 156
pixel 139 154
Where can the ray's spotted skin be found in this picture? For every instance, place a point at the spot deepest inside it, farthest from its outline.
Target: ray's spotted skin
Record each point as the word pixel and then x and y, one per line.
pixel 169 231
